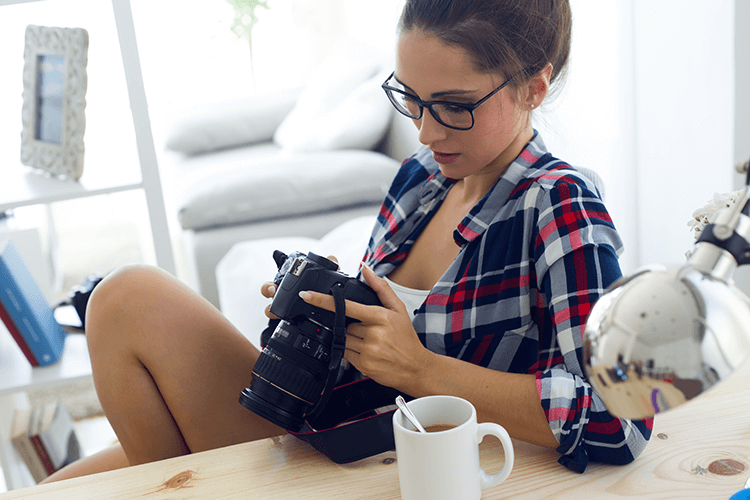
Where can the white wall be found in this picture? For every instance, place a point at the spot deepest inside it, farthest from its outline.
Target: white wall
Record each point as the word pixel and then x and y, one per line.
pixel 591 123
pixel 649 103
pixel 742 108
pixel 742 84
pixel 684 71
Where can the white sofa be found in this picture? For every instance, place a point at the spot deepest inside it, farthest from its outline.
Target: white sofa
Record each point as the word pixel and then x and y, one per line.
pixel 292 163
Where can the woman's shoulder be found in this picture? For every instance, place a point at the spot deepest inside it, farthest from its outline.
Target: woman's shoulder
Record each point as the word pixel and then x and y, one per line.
pixel 552 174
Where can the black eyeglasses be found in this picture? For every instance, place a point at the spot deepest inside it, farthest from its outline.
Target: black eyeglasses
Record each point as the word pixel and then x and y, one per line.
pixel 455 115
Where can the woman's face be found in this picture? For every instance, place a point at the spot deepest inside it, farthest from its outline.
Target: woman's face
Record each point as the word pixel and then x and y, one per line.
pixel 432 71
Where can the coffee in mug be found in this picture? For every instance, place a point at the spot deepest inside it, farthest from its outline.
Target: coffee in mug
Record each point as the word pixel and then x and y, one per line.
pixel 438 428
pixel 443 463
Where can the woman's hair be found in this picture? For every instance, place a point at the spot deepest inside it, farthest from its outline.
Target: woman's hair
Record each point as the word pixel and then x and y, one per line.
pixel 516 38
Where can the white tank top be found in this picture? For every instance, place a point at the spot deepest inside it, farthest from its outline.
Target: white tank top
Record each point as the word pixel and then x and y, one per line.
pixel 411 297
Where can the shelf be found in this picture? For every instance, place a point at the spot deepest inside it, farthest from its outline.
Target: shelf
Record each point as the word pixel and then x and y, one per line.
pixel 16 373
pixel 27 187
pixel 16 377
pixel 109 167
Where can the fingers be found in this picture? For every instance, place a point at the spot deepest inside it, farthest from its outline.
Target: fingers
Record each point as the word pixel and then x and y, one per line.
pixel 352 355
pixel 268 290
pixel 387 296
pixel 269 314
pixel 356 310
pixel 353 309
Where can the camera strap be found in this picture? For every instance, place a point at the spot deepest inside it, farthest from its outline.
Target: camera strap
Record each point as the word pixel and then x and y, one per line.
pixel 354 420
pixel 337 350
pixel 357 422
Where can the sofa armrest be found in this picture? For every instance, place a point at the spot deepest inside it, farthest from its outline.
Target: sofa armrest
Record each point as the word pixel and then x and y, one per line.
pixel 227 124
pixel 287 186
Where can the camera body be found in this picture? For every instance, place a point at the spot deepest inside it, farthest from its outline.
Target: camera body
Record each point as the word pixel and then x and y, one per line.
pixel 296 362
pixel 316 273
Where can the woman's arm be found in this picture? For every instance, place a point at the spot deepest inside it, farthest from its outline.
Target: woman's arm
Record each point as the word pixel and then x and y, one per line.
pixel 385 347
pixel 575 260
pixel 576 414
pixel 509 399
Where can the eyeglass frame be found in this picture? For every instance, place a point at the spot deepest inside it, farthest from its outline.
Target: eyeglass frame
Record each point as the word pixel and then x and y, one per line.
pixel 470 107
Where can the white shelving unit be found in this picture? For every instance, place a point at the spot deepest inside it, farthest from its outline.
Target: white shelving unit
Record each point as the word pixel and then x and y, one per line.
pixel 21 187
pixel 16 377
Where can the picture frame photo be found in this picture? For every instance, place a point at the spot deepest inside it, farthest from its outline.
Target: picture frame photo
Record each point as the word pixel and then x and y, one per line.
pixel 54 100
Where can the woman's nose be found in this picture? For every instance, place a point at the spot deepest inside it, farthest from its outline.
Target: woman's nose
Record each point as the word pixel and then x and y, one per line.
pixel 430 130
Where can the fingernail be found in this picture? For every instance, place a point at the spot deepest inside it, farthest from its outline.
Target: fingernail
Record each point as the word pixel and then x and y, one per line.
pixel 272 289
pixel 305 296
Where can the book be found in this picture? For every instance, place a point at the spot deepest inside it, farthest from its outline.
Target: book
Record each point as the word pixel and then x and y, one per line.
pixel 22 442
pixel 45 439
pixel 41 418
pixel 25 312
pixel 57 435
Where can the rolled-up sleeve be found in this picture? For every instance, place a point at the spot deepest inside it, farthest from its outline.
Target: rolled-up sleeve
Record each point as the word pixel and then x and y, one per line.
pixel 575 261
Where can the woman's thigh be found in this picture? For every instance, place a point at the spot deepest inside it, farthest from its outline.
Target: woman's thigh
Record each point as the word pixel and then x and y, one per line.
pixel 161 352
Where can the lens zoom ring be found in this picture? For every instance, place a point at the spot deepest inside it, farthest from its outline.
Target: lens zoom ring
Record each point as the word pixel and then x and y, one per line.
pixel 288 377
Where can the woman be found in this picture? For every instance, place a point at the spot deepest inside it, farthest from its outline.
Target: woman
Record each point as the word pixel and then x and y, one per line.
pixel 497 248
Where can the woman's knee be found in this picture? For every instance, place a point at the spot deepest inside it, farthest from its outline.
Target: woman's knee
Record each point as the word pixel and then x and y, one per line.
pixel 112 301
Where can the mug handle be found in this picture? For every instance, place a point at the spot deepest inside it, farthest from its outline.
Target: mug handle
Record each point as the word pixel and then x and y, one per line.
pixel 489 428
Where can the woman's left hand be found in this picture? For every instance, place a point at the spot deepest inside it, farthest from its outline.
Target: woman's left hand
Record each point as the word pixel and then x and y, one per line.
pixel 383 345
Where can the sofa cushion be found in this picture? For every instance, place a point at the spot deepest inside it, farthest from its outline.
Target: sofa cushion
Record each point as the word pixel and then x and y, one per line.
pixel 342 106
pixel 227 124
pixel 287 186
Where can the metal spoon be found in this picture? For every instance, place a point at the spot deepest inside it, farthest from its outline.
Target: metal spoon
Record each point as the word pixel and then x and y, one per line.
pixel 408 414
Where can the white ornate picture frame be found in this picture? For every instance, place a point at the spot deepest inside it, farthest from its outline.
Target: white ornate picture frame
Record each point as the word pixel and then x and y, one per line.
pixel 54 100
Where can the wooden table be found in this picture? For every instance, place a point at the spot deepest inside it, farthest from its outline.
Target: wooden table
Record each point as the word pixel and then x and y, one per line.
pixel 700 450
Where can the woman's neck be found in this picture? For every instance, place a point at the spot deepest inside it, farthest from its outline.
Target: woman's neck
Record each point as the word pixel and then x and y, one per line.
pixel 473 188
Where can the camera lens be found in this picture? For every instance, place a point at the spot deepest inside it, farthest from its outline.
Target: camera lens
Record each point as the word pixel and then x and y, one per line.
pixel 290 373
pixel 301 361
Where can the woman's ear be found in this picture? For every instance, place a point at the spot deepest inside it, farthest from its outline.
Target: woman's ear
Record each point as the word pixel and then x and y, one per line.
pixel 538 87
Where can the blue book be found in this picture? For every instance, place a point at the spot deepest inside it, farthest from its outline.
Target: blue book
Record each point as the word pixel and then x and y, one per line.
pixel 25 311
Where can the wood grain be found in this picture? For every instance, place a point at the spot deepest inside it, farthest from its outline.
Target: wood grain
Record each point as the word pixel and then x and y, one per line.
pixel 677 463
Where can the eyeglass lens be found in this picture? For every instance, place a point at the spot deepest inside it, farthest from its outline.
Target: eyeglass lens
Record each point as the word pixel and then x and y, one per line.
pixel 452 116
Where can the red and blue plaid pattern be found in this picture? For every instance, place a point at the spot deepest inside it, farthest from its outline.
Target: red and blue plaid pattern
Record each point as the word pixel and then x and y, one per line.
pixel 536 253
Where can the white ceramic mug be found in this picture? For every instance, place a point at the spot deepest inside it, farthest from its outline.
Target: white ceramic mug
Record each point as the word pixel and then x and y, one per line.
pixel 444 465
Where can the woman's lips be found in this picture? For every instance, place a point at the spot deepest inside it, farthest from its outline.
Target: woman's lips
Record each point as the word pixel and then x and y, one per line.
pixel 445 158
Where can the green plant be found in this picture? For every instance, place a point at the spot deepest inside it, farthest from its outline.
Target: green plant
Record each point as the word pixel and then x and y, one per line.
pixel 245 16
pixel 244 19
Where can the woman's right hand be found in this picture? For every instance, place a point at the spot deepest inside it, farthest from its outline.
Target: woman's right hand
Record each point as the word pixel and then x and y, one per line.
pixel 268 290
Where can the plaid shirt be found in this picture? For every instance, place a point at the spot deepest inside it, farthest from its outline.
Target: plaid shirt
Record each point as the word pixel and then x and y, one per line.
pixel 536 253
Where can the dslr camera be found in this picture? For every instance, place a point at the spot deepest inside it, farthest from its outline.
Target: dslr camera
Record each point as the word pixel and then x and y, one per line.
pixel 300 362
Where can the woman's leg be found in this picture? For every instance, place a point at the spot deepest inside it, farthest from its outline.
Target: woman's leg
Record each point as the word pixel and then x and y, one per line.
pixel 168 367
pixel 106 460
